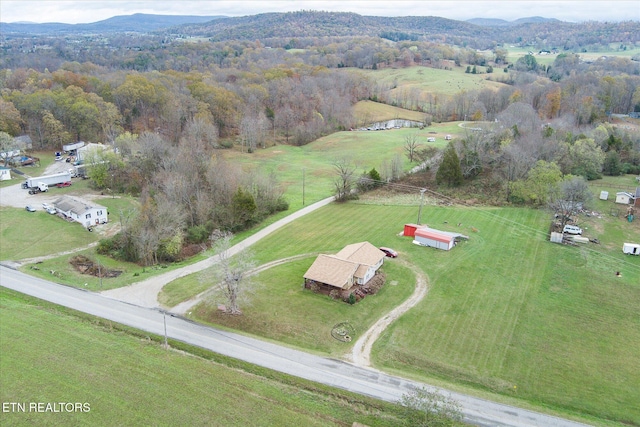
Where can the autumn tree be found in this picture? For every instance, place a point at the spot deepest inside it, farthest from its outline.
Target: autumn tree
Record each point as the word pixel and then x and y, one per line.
pixel 449 171
pixel 582 157
pixel 10 119
pixel 541 181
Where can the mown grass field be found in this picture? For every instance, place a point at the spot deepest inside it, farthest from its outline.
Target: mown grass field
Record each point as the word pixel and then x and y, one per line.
pixel 516 52
pixel 127 378
pixel 444 83
pixel 30 234
pixel 507 312
pixel 313 162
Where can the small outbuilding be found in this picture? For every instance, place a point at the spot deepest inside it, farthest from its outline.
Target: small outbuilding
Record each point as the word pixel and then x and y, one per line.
pixel 434 238
pixel 5 173
pixel 80 211
pixel 410 230
pixel 604 195
pixel 631 248
pixel 624 198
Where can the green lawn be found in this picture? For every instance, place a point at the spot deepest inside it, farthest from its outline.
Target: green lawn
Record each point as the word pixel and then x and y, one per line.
pixel 279 308
pixel 426 80
pixel 313 162
pixel 368 112
pixel 30 234
pixel 52 355
pixel 507 312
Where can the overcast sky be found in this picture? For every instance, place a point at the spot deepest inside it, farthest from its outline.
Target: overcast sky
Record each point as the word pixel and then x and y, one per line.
pixel 74 12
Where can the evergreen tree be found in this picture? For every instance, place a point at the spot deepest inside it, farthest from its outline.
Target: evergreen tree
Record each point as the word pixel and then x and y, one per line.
pixel 449 171
pixel 375 176
pixel 612 165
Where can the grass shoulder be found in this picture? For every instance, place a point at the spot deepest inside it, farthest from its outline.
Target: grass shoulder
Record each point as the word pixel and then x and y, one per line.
pixel 127 377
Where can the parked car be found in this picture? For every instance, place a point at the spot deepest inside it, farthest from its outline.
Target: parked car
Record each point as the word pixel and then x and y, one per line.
pixel 431 139
pixel 64 184
pixel 30 208
pixel 389 252
pixel 46 206
pixel 52 211
pixel 572 229
pixel 448 137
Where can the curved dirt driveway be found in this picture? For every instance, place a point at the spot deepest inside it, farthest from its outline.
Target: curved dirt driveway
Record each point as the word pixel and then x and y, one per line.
pixel 184 306
pixel 361 353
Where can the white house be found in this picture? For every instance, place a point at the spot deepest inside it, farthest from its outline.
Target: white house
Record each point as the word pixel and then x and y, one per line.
pixel 80 211
pixel 5 173
pixel 624 198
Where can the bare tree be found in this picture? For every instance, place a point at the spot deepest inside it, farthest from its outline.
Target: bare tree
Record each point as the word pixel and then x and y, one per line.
pixel 570 197
pixel 345 179
pixel 423 407
pixel 232 270
pixel 411 145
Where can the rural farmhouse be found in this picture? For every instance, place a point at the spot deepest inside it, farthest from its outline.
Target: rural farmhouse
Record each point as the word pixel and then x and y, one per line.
pixel 355 264
pixel 81 211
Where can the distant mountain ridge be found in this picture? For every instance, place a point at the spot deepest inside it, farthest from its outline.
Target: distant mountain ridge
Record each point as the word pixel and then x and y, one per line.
pixel 490 22
pixel 296 29
pixel 138 22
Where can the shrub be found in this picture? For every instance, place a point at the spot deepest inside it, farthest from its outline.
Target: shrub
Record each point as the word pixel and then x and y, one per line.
pixel 198 234
pixel 352 299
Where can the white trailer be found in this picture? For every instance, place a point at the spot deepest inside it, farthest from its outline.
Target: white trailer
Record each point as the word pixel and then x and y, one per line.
pixel 49 180
pixel 631 248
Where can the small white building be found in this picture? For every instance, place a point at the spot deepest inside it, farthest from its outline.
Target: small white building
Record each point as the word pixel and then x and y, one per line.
pixel 604 195
pixel 631 248
pixel 5 173
pixel 80 211
pixel 624 198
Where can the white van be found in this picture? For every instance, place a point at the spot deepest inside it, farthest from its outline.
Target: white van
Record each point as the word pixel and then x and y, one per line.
pixel 572 229
pixel 431 139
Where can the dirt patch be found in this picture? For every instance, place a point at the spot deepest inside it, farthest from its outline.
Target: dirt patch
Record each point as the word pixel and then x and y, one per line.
pixel 85 266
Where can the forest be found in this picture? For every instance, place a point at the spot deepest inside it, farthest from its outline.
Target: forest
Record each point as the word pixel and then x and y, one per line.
pixel 169 105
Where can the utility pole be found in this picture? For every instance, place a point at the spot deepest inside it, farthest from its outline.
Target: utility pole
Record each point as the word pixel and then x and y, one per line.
pixel 164 319
pixel 421 200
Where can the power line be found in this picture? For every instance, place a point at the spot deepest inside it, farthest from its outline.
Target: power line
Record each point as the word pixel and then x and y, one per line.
pixel 484 212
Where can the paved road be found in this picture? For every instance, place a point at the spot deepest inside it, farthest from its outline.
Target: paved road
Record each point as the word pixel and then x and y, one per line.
pixel 327 371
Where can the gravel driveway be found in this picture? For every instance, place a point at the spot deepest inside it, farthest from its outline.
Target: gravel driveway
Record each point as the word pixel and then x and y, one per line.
pixel 17 197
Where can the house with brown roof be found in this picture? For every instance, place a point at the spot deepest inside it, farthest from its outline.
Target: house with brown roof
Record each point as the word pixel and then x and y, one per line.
pixel 354 265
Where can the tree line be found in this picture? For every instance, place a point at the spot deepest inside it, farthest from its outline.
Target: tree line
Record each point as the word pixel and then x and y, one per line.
pixel 169 119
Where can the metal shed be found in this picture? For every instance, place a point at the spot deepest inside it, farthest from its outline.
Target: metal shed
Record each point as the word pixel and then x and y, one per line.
pixel 434 238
